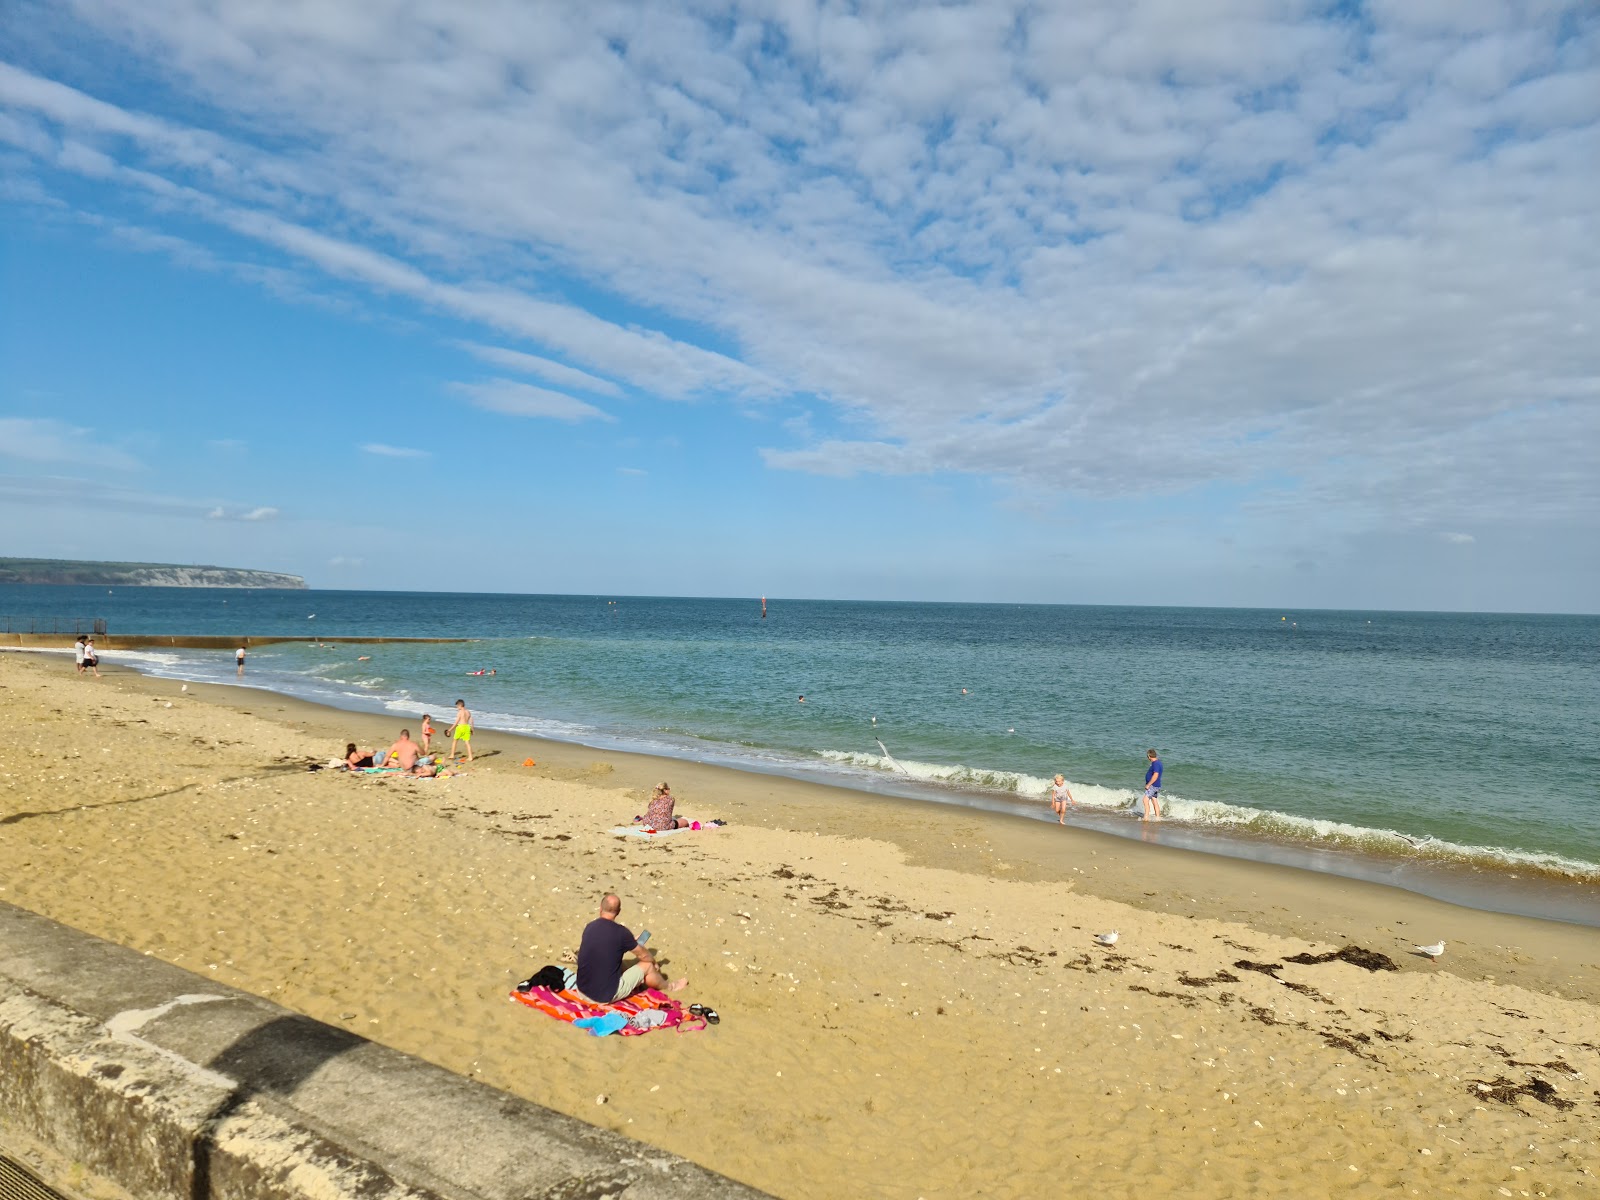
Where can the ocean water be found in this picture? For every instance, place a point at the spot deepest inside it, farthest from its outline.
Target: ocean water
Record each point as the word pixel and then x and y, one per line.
pixel 1315 738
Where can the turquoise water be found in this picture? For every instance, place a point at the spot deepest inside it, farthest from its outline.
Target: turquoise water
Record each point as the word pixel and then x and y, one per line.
pixel 1324 734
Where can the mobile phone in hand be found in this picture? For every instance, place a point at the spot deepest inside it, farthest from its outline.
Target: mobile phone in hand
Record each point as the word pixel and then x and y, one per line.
pixel 644 936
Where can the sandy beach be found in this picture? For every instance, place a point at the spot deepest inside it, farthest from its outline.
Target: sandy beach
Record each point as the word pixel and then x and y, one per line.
pixel 912 1002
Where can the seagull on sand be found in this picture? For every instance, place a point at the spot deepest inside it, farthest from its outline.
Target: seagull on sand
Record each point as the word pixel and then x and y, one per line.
pixel 1106 939
pixel 1432 951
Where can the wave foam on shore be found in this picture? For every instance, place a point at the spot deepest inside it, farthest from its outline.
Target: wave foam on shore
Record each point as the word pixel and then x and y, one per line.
pixel 1233 818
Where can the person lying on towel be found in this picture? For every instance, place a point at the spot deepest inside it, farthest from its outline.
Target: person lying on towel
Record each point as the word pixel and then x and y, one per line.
pixel 601 977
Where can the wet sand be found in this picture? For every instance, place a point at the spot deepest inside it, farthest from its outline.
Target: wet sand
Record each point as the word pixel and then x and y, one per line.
pixel 912 1002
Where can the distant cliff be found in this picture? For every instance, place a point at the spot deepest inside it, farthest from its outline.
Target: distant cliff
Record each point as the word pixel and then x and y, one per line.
pixel 126 574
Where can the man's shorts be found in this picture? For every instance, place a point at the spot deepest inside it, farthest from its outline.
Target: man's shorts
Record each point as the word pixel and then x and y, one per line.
pixel 1152 793
pixel 462 733
pixel 632 980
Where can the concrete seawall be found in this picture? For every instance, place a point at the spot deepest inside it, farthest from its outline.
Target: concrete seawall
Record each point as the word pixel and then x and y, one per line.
pixel 173 1087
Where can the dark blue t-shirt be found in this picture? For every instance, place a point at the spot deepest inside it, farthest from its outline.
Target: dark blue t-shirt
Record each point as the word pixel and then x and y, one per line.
pixel 600 958
pixel 1153 773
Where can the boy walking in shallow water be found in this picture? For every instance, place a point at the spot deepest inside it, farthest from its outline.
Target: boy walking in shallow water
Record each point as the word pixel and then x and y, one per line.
pixel 1152 788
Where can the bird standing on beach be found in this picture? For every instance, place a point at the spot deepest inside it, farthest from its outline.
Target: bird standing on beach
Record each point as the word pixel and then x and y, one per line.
pixel 1106 939
pixel 1432 951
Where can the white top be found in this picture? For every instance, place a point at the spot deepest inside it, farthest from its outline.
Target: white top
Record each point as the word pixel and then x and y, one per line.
pixel 239 653
pixel 77 652
pixel 1059 793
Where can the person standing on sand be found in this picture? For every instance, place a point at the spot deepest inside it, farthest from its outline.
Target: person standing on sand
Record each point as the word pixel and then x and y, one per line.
pixel 427 734
pixel 77 653
pixel 1060 797
pixel 461 731
pixel 91 660
pixel 1152 788
pixel 601 978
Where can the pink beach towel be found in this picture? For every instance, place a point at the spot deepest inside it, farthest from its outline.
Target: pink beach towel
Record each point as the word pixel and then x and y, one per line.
pixel 569 1006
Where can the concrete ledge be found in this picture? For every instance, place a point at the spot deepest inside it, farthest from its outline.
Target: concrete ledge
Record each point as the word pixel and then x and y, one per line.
pixel 176 1088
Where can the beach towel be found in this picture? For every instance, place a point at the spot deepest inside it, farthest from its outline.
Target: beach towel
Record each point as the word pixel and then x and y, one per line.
pixel 570 1007
pixel 644 831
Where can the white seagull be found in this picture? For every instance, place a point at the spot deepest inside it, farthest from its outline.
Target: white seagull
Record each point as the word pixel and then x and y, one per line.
pixel 1106 939
pixel 1432 951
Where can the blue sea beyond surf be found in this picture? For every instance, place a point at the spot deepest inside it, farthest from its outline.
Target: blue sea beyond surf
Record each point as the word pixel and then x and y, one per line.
pixel 1315 738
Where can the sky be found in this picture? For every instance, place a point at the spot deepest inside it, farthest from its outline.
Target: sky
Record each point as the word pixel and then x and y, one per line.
pixel 1189 302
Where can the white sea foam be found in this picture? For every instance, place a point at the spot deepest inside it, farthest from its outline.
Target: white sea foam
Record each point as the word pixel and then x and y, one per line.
pixel 1258 822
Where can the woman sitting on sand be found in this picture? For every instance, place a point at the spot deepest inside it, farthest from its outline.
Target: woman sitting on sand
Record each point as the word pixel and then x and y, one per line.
pixel 659 814
pixel 356 759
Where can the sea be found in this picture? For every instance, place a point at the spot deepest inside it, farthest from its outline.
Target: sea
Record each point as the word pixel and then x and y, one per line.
pixel 1457 755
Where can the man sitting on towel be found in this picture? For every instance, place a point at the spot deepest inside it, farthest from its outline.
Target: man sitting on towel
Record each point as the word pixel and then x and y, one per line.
pixel 405 754
pixel 600 974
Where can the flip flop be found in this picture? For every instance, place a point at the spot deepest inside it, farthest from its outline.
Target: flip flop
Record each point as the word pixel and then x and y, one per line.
pixel 710 1014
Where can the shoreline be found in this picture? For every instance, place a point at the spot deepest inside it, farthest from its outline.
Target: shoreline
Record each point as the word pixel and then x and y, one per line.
pixel 1512 890
pixel 1282 899
pixel 893 989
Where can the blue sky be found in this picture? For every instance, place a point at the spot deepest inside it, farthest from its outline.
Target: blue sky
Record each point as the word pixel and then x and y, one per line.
pixel 1198 302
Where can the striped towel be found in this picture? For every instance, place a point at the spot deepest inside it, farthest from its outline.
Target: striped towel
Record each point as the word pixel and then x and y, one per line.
pixel 569 1006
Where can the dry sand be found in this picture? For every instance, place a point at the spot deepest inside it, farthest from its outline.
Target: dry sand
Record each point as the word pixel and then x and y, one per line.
pixel 912 1004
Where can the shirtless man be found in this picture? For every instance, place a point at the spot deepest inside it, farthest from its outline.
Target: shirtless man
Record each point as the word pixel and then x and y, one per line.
pixel 405 753
pixel 461 731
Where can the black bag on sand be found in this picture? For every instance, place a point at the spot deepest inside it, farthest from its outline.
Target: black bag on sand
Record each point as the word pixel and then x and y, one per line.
pixel 547 977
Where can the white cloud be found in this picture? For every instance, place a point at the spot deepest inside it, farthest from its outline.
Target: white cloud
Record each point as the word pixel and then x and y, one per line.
pixel 551 372
pixel 1115 247
pixel 45 440
pixel 1458 539
pixel 384 451
pixel 515 399
pixel 632 471
pixel 63 491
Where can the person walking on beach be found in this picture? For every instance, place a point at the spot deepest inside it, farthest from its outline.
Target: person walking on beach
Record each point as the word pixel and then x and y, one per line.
pixel 1152 788
pixel 605 940
pixel 77 653
pixel 91 660
pixel 1060 797
pixel 461 731
pixel 238 656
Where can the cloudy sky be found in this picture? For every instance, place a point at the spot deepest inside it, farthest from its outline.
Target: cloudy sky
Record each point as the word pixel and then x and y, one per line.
pixel 1133 301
